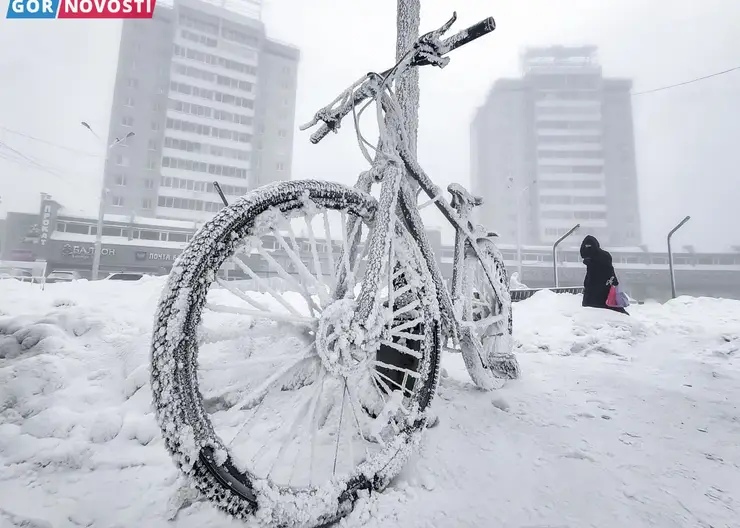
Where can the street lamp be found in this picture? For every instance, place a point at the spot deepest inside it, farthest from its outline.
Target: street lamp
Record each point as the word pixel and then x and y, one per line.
pixel 670 255
pixel 555 251
pixel 101 206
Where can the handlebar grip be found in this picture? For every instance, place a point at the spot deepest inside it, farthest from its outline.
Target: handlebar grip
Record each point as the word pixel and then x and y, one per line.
pixel 358 97
pixel 468 35
pixel 320 134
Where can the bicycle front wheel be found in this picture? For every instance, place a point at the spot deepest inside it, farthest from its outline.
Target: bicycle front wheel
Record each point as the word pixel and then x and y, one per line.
pixel 270 397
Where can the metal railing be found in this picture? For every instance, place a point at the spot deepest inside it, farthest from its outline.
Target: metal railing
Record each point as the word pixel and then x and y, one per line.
pixel 526 293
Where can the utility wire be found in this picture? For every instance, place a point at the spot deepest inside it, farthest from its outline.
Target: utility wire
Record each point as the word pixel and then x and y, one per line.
pixel 13 155
pixel 50 143
pixel 687 82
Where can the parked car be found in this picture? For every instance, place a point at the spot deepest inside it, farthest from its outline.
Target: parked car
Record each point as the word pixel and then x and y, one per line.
pixel 126 276
pixel 62 276
pixel 22 275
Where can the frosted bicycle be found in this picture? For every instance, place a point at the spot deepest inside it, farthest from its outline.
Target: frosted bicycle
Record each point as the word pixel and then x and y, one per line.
pixel 288 404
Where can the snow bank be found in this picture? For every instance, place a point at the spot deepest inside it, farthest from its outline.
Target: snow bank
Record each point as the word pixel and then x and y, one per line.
pixel 617 421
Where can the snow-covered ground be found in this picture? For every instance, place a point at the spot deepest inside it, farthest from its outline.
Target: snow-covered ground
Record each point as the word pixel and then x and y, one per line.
pixel 623 422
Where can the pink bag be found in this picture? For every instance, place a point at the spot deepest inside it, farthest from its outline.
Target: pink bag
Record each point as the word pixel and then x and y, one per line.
pixel 611 299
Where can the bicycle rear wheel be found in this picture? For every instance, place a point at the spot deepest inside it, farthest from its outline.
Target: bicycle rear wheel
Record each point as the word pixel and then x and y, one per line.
pixel 488 313
pixel 273 403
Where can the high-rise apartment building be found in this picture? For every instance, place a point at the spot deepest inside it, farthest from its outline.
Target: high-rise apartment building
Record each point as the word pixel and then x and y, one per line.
pixel 556 148
pixel 208 97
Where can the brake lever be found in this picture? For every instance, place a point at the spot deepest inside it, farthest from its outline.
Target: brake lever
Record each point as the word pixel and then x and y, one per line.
pixel 442 30
pixel 434 54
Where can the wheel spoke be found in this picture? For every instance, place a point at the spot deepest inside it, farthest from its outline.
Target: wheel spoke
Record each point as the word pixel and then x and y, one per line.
pixel 287 440
pixel 263 283
pixel 311 322
pixel 395 383
pixel 407 335
pixel 301 268
pixel 290 280
pixel 314 421
pixel 401 348
pixel 408 324
pixel 408 372
pixel 407 308
pixel 339 435
pixel 242 295
pixel 316 260
pixel 258 394
pixel 329 244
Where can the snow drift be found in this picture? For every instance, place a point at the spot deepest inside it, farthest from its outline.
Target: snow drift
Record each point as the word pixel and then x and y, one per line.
pixel 617 421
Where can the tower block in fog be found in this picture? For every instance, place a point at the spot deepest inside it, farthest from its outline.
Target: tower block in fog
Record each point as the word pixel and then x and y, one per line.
pixel 555 148
pixel 209 97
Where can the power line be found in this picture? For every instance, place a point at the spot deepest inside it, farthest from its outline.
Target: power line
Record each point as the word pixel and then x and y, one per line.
pixel 50 143
pixel 22 159
pixel 687 82
pixel 29 161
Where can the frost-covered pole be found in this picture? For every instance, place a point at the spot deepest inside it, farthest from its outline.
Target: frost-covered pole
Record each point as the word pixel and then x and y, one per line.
pixel 408 19
pixel 555 252
pixel 670 255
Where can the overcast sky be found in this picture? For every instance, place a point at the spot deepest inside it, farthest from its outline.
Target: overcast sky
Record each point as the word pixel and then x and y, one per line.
pixel 56 73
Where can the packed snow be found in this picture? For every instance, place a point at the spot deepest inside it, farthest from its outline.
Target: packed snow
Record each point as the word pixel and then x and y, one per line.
pixel 616 421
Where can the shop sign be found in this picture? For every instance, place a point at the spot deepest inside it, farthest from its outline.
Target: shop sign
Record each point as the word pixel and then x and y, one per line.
pixel 150 255
pixel 45 223
pixel 85 252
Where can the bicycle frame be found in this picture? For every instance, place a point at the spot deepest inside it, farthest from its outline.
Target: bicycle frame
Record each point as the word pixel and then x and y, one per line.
pixel 396 197
pixel 398 202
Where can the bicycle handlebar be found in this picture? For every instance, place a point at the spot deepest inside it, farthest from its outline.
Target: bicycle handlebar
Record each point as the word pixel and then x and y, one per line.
pixel 426 51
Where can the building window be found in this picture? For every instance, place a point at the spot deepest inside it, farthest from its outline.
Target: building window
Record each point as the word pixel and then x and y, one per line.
pixel 127 121
pixel 282 133
pixel 122 161
pixel 120 179
pixel 117 201
pixel 149 183
pixel 132 83
pixel 133 64
pixel 155 126
pixel 151 164
pixel 280 166
pixel 129 102
pixel 146 203
pixel 155 107
pixel 152 145
pixel 113 231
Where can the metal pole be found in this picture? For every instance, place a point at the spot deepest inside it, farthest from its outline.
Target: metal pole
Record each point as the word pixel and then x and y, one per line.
pixel 670 255
pixel 220 192
pixel 408 19
pixel 99 232
pixel 555 250
pixel 519 240
pixel 519 229
pixel 101 205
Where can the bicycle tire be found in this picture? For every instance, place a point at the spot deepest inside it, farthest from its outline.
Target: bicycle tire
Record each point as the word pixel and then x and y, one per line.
pixel 188 433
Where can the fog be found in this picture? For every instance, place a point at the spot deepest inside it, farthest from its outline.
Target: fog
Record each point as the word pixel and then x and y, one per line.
pixel 56 73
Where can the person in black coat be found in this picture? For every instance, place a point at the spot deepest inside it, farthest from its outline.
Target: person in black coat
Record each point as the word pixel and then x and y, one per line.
pixel 600 275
